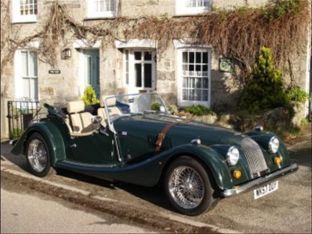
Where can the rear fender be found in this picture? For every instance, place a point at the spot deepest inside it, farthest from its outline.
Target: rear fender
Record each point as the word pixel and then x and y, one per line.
pixel 52 136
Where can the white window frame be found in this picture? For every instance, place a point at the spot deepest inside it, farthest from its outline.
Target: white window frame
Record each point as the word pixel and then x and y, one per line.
pixel 19 77
pixel 129 70
pixel 180 76
pixel 16 13
pixel 91 12
pixel 183 9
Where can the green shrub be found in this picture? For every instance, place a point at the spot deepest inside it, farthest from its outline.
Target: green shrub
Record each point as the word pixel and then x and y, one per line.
pixel 198 110
pixel 280 8
pixel 16 133
pixel 265 88
pixel 155 106
pixel 173 109
pixel 89 96
pixel 296 94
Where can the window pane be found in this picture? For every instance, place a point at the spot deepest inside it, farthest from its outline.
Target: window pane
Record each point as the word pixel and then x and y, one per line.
pixel 138 75
pixel 185 82
pixel 198 94
pixel 185 95
pixel 205 82
pixel 104 5
pixel 205 95
pixel 198 57
pixel 24 59
pixel 97 75
pixel 26 90
pixel 33 89
pixel 192 95
pixel 192 83
pixel 148 56
pixel 32 63
pixel 205 57
pixel 127 67
pixel 137 55
pixel 185 57
pixel 35 7
pixel 198 82
pixel 185 68
pixel 191 54
pixel 148 75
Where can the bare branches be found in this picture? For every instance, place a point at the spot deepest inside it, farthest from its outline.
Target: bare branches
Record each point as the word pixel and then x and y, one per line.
pixel 237 34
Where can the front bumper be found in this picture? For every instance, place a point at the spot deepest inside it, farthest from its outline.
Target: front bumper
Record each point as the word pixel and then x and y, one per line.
pixel 262 180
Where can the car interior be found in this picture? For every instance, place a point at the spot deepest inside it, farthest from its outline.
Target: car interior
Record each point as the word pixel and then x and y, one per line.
pixel 83 121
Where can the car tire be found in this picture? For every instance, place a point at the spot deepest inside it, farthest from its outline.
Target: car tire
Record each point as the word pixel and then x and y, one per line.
pixel 186 175
pixel 38 155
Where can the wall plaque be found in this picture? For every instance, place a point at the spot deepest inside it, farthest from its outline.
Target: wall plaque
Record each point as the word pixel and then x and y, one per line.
pixel 225 65
pixel 54 71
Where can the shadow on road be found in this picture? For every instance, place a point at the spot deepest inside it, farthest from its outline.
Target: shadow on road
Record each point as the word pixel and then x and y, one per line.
pixel 153 195
pixel 302 156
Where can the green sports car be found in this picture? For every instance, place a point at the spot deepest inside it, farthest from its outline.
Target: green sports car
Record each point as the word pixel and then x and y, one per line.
pixel 134 139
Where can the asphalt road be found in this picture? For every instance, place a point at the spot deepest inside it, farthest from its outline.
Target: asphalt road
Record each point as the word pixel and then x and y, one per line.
pixel 288 210
pixel 25 211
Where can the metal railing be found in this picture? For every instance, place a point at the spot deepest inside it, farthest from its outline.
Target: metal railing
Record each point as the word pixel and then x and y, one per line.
pixel 20 115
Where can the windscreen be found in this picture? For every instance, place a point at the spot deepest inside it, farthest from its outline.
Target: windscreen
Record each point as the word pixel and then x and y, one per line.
pixel 134 104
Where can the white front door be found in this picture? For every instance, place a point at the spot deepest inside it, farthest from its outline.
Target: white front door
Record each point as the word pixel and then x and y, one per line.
pixel 140 70
pixel 90 70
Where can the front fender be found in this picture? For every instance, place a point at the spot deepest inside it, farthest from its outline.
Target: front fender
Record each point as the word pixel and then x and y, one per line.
pixel 52 136
pixel 212 160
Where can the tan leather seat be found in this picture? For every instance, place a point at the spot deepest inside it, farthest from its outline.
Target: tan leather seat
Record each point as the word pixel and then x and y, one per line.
pixel 101 112
pixel 80 122
pixel 111 104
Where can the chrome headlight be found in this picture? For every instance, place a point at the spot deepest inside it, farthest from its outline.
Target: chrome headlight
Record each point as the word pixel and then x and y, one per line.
pixel 232 156
pixel 274 144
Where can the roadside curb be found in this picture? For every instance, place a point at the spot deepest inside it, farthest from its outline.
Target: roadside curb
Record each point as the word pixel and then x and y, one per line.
pixel 161 221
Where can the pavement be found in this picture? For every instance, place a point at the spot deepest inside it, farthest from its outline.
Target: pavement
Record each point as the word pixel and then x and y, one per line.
pixel 24 211
pixel 288 210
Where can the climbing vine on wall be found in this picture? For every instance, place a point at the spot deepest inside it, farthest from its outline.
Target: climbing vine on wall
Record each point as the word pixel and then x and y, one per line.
pixel 238 34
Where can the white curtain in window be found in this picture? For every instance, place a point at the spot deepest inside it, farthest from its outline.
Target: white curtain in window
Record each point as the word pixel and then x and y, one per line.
pixel 29 73
pixel 101 8
pixel 196 3
pixel 104 5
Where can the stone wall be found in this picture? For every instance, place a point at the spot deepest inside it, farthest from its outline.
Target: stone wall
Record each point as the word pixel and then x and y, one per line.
pixel 60 88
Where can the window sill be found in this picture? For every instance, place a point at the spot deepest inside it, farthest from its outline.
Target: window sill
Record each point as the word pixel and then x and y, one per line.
pixel 100 18
pixel 192 12
pixel 189 15
pixel 24 21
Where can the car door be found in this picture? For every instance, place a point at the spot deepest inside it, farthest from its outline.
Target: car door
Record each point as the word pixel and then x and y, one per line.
pixel 136 138
pixel 97 148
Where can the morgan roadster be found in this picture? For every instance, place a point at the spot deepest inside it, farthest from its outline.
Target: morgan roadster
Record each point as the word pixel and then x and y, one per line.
pixel 134 139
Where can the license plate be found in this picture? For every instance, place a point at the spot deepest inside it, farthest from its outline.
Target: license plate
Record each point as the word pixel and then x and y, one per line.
pixel 265 190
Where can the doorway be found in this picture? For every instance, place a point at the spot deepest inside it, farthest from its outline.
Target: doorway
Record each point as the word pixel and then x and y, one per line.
pixel 90 70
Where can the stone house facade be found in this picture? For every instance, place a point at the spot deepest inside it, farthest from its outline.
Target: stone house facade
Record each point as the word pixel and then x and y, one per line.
pixel 183 73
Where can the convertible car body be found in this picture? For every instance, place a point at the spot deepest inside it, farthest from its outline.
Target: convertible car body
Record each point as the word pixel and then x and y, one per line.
pixel 134 139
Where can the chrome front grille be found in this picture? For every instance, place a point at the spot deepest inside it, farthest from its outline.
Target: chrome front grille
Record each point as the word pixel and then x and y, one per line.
pixel 254 157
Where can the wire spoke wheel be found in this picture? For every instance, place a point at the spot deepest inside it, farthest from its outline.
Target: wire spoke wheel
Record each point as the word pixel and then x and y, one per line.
pixel 186 187
pixel 37 155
